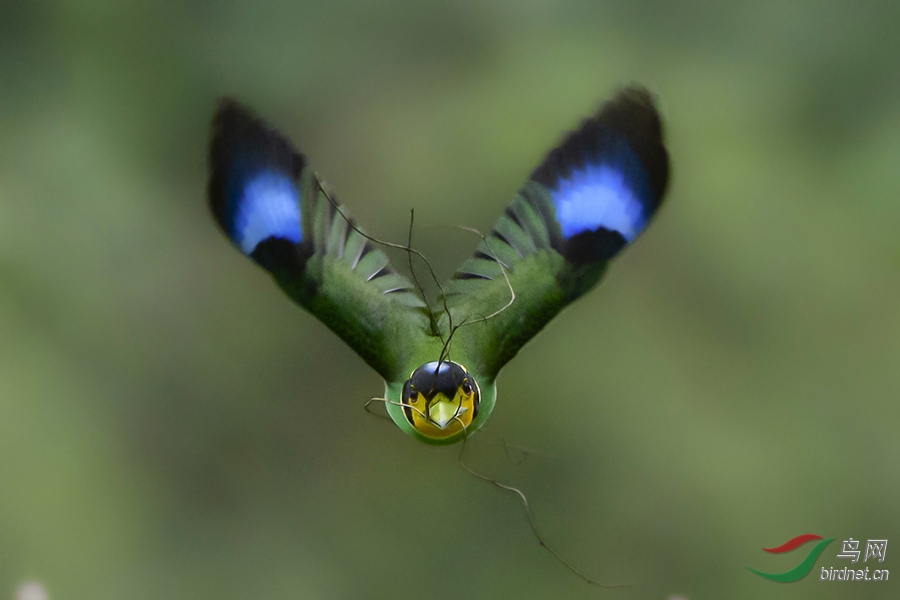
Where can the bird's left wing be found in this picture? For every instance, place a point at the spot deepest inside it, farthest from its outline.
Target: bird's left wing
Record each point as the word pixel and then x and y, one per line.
pixel 590 197
pixel 273 207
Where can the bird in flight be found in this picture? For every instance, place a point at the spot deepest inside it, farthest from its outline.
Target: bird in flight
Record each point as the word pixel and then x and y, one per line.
pixel 590 197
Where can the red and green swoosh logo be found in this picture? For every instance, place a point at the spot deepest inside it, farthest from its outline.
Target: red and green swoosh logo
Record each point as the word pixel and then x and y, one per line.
pixel 805 566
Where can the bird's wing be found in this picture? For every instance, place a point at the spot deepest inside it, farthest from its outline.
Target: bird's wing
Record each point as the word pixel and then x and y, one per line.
pixel 273 207
pixel 591 196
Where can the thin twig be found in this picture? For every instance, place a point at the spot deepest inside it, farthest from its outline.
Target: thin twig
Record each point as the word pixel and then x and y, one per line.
pixel 530 517
pixel 408 249
pixel 445 351
pixel 395 403
pixel 368 410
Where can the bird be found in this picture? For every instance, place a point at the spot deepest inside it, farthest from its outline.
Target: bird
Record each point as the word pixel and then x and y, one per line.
pixel 592 195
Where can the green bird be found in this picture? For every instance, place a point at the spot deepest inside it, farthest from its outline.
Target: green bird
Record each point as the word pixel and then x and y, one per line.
pixel 592 196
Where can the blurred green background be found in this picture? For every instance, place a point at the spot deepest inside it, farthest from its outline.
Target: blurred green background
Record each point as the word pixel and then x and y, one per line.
pixel 172 427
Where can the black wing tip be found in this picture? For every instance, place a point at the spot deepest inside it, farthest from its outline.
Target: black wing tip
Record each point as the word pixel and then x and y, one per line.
pixel 632 114
pixel 234 123
pixel 229 108
pixel 638 105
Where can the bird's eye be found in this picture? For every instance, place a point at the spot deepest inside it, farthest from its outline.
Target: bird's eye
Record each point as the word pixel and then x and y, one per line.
pixel 413 395
pixel 466 387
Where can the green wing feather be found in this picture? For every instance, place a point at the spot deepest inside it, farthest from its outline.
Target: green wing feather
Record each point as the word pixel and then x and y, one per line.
pixel 350 285
pixel 496 313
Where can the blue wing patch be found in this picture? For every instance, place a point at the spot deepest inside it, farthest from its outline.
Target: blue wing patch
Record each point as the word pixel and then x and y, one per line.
pixel 609 191
pixel 265 205
pixel 607 178
pixel 255 187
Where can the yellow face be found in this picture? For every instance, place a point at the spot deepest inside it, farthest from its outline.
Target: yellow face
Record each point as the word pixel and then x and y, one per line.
pixel 440 400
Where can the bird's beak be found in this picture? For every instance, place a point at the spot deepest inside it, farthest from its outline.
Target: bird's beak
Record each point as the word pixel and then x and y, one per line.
pixel 443 411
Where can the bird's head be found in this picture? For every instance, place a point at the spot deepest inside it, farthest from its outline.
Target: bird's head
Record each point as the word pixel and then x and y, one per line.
pixel 439 403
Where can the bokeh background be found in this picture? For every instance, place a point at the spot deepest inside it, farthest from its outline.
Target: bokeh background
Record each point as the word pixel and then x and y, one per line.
pixel 172 427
